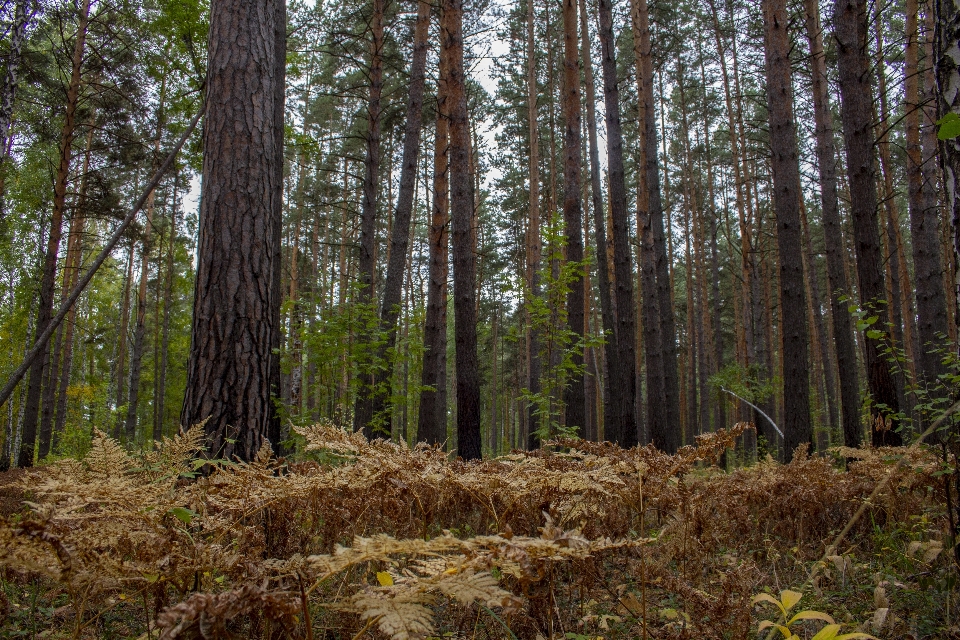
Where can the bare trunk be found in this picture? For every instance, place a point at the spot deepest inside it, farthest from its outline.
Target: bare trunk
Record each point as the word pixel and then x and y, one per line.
pixel 231 371
pixel 363 418
pixel 39 368
pixel 464 238
pixel 399 239
pixel 850 29
pixel 833 234
pixel 786 201
pixel 534 248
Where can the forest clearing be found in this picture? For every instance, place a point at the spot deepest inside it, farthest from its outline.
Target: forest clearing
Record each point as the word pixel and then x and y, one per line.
pixel 510 319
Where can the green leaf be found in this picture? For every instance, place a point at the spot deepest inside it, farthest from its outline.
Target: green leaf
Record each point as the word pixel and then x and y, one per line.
pixel 949 126
pixel 183 514
pixel 873 334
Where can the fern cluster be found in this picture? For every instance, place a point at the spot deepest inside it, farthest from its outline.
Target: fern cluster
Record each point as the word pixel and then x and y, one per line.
pixel 404 542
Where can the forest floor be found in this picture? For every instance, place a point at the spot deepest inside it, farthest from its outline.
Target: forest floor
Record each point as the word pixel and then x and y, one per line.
pixel 350 539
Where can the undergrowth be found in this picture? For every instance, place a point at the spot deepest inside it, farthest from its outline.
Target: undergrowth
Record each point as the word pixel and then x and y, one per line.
pixel 358 539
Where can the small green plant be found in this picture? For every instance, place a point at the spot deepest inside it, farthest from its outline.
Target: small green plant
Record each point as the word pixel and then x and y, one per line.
pixel 787 601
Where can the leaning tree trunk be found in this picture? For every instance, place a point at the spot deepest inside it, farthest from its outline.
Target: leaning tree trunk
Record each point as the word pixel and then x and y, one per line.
pixel 573 395
pixel 786 204
pixel 363 411
pixel 48 278
pixel 236 310
pixel 392 290
pixel 623 386
pixel 850 30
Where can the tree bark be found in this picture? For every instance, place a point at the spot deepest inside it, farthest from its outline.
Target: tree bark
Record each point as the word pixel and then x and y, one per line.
pixel 432 421
pixel 139 327
pixel 464 238
pixel 390 309
pixel 924 213
pixel 833 233
pixel 663 407
pixel 573 395
pixel 165 329
pixel 850 30
pixel 534 247
pixel 48 279
pixel 622 422
pixel 947 73
pixel 236 301
pixel 363 418
pixel 786 202
pixel 71 273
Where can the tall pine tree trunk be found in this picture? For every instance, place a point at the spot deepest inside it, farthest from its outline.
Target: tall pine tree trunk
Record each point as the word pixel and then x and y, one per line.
pixel 833 233
pixel 363 411
pixel 399 239
pixel 623 380
pixel 850 29
pixel 664 429
pixel 40 367
pixel 432 420
pixel 611 418
pixel 464 238
pixel 230 373
pixel 573 395
pixel 921 180
pixel 786 201
pixel 534 247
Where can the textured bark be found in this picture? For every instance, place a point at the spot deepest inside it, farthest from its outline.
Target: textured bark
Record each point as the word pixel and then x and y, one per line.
pixel 399 239
pixel 573 395
pixel 664 429
pixel 947 73
pixel 363 411
pixel 534 247
pixel 833 233
pixel 432 421
pixel 612 419
pixel 464 239
pixel 165 323
pixel 924 213
pixel 236 306
pixel 120 372
pixel 39 368
pixel 139 327
pixel 71 273
pixel 850 30
pixel 786 202
pixel 623 387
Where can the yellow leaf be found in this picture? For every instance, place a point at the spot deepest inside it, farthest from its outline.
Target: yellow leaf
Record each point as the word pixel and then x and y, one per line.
pixel 829 632
pixel 385 579
pixel 812 615
pixel 790 598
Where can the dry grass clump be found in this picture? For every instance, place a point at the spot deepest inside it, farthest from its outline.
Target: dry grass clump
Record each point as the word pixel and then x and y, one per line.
pixel 373 538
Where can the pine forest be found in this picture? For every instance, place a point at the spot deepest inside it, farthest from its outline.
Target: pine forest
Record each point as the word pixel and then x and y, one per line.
pixel 496 319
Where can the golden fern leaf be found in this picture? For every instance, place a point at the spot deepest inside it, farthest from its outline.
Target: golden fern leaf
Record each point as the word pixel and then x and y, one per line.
pixel 106 457
pixel 402 615
pixel 468 587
